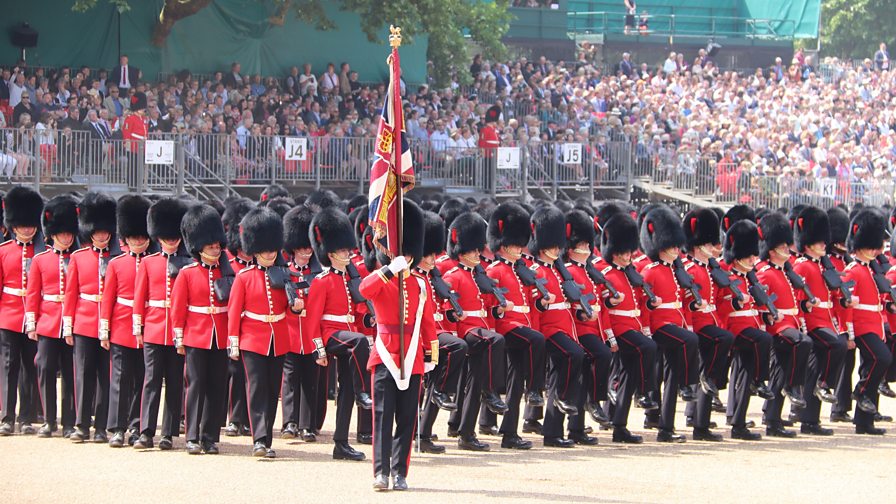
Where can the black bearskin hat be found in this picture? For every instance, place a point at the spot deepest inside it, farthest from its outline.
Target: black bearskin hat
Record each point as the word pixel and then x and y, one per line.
pixel 202 226
pixel 811 226
pixel 660 230
pixel 737 213
pixel 741 241
pixel 22 206
pixel 60 216
pixel 357 201
pixel 412 234
pixel 138 102
pixel 579 228
pixel 234 211
pixel 367 249
pixel 774 231
pixel 96 212
pixel 273 191
pixel 360 219
pixel 330 231
pixel 508 225
pixel 701 227
pixel 794 213
pixel 321 199
pixel 466 234
pixel 261 230
pixel 619 235
pixel 132 214
pixel 548 230
pixel 838 220
pixel 296 224
pixel 866 230
pixel 607 211
pixel 492 114
pixel 433 234
pixel 280 204
pixel 164 218
pixel 451 208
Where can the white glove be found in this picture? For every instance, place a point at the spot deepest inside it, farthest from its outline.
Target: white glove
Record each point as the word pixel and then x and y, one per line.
pixel 398 264
pixel 233 347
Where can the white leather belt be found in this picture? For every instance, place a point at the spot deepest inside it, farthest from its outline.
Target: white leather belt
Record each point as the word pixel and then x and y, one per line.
pixel 96 298
pixel 826 305
pixel 53 298
pixel 476 313
pixel 207 310
pixel 868 307
pixel 14 292
pixel 558 306
pixel 159 303
pixel 744 313
pixel 265 318
pixel 675 305
pixel 625 313
pixel 125 301
pixel 520 309
pixel 438 317
pixel 709 309
pixel 788 311
pixel 345 319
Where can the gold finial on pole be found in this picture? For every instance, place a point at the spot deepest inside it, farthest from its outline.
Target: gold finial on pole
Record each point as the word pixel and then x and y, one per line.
pixel 394 36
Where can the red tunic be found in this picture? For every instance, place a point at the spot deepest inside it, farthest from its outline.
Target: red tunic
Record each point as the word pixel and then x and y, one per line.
pixel 445 264
pixel 823 315
pixel 488 141
pixel 83 292
pixel 665 287
pixel 867 315
pixel 501 270
pixel 117 307
pixel 748 316
pixel 329 305
pixel 626 316
pixel 46 285
pixel 256 313
pixel 787 302
pixel 135 130
pixel 478 307
pixel 601 326
pixel 196 313
pixel 556 317
pixel 300 341
pixel 839 310
pixel 709 291
pixel 152 300
pixel 384 296
pixel 14 258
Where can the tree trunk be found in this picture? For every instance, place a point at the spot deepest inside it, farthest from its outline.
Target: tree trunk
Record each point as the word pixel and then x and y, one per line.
pixel 172 12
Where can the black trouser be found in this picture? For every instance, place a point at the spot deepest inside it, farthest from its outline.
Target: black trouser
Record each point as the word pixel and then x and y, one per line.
pixel 125 384
pixel 16 356
pixel 715 344
pixel 205 381
pixel 680 367
pixel 162 362
pixel 29 395
pixel 55 356
pixel 525 349
pixel 843 382
pixel 637 354
pixel 564 380
pixel 752 350
pixel 790 356
pixel 595 373
pixel 876 359
pixel 316 421
pixel 239 412
pixel 484 370
pixel 825 362
pixel 444 378
pixel 91 365
pixel 391 406
pixel 351 352
pixel 264 375
pixel 301 375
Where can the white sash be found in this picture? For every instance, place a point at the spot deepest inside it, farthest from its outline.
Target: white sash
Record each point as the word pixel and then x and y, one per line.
pixel 411 356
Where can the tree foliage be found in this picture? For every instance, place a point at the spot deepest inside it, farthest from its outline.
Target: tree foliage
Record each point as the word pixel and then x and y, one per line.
pixel 855 28
pixel 445 21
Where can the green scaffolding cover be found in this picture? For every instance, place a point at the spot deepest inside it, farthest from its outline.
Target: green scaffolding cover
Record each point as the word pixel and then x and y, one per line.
pixel 801 15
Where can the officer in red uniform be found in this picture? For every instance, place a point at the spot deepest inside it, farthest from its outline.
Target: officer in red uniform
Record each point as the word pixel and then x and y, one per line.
pixel 811 235
pixel 595 336
pixel 701 231
pixel 662 239
pixel 330 302
pixel 236 373
pixel 304 368
pixel 43 313
pixel 116 313
pixel 637 352
pixel 489 141
pixel 152 324
pixel 358 270
pixel 791 345
pixel 865 318
pixel 199 319
pixel 84 287
pixel 396 382
pixel 452 355
pixel 257 325
pixel 134 131
pixel 17 351
pixel 508 233
pixel 484 372
pixel 839 225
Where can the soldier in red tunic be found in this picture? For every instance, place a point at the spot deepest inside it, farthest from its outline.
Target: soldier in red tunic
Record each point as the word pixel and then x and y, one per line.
pixel 396 383
pixel 866 318
pixel 152 324
pixel 330 302
pixel 84 287
pixel 257 325
pixel 199 318
pixel 811 235
pixel 839 225
pixel 116 315
pixel 43 313
pixel 234 212
pixel 22 208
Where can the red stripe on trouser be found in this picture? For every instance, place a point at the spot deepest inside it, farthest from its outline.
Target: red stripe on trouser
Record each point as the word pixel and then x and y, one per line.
pixel 640 360
pixel 373 439
pixel 447 366
pixel 407 463
pixel 531 363
pixel 873 363
pixel 355 360
pixel 793 345
pixel 249 413
pixel 827 366
pixel 684 354
pixel 477 334
pixel 715 351
pixel 568 366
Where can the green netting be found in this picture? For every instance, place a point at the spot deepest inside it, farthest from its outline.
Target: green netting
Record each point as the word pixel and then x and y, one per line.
pixel 803 14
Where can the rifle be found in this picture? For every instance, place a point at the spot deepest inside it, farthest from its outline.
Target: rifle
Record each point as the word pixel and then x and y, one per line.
pixel 529 278
pixel 281 277
pixel 573 291
pixel 444 292
pixel 176 263
pixel 223 285
pixel 760 294
pixel 354 288
pixel 834 280
pixel 798 282
pixel 599 278
pixel 686 281
pixel 724 280
pixel 637 281
pixel 884 286
pixel 488 286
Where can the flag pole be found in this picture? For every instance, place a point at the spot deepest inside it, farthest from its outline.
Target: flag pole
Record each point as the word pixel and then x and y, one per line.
pixel 397 151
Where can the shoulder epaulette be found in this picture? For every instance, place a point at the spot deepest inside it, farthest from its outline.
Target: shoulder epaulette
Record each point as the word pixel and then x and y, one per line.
pixel 452 270
pixel 6 243
pixel 764 268
pixel 42 253
pixel 116 257
pixel 800 260
pixel 688 265
pixel 850 265
pixel 82 249
pixel 246 269
pixel 191 265
pixel 651 265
